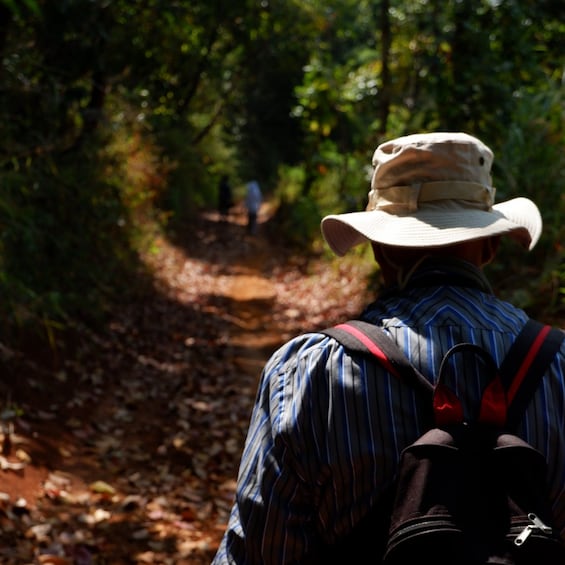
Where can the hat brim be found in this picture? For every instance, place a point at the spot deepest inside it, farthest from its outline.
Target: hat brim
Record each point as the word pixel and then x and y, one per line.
pixel 435 225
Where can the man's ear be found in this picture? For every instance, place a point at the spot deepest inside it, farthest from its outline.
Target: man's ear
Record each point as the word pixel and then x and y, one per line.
pixel 490 248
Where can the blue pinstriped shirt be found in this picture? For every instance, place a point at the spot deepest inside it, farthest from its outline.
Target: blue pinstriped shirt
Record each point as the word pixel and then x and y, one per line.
pixel 327 427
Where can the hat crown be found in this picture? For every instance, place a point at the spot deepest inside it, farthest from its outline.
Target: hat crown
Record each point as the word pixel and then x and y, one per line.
pixel 431 157
pixel 433 190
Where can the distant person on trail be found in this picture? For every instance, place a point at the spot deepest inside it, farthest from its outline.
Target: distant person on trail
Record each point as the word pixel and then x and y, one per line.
pixel 253 199
pixel 225 199
pixel 328 427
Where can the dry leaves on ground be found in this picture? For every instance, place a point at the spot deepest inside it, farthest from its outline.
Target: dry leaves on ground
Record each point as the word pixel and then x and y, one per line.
pixel 128 451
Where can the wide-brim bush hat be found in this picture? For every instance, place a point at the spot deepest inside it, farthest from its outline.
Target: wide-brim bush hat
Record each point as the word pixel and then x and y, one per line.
pixel 432 190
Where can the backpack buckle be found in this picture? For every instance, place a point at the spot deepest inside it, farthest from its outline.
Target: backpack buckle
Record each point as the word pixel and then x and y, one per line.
pixel 493 405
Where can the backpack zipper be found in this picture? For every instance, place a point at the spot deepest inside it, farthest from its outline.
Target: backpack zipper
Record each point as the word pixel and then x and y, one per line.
pixel 536 524
pixel 439 523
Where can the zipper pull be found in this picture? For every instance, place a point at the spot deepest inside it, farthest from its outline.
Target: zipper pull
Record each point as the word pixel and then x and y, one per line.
pixel 537 524
pixel 523 536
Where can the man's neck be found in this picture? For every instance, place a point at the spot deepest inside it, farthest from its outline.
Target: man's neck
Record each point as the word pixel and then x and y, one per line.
pixel 440 271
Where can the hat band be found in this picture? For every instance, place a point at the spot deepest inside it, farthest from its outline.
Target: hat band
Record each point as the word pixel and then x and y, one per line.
pixel 406 198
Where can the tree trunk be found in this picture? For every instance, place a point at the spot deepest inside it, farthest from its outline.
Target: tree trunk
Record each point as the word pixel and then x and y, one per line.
pixel 384 101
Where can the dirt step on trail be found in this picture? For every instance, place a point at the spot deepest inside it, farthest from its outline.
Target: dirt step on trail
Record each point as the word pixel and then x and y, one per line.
pixel 250 297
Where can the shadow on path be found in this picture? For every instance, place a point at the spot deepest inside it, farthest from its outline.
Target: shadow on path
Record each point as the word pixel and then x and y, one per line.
pixel 134 446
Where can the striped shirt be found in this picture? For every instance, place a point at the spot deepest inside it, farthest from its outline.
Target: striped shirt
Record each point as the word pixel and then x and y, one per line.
pixel 327 427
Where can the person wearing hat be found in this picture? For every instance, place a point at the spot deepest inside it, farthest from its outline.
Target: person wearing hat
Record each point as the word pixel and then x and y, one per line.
pixel 328 427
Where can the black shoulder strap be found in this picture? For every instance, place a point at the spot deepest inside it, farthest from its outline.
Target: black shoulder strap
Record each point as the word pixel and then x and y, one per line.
pixel 525 364
pixel 521 370
pixel 364 337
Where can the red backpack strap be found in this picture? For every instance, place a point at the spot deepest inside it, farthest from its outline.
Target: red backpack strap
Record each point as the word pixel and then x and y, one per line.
pixel 525 364
pixel 520 372
pixel 366 338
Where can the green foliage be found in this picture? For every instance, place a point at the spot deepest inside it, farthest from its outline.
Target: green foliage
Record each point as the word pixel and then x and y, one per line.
pixel 73 225
pixel 481 68
pixel 340 185
pixel 65 242
pixel 532 160
pixel 119 117
pixel 532 163
pixel 18 9
pixel 296 214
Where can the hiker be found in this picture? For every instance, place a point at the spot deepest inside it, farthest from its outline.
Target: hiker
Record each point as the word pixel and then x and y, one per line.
pixel 328 426
pixel 225 201
pixel 253 200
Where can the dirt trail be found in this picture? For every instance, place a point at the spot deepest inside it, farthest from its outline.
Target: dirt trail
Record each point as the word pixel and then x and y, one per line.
pixel 133 444
pixel 251 296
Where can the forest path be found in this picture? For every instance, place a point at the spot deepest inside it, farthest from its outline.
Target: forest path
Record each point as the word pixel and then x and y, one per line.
pixel 133 443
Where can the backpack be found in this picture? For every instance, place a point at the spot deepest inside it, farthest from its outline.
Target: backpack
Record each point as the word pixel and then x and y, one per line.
pixel 467 492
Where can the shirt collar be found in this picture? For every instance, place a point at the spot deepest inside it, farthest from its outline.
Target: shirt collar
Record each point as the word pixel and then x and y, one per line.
pixel 446 272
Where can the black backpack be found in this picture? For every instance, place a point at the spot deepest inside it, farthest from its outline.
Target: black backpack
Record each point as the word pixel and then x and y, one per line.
pixel 466 492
